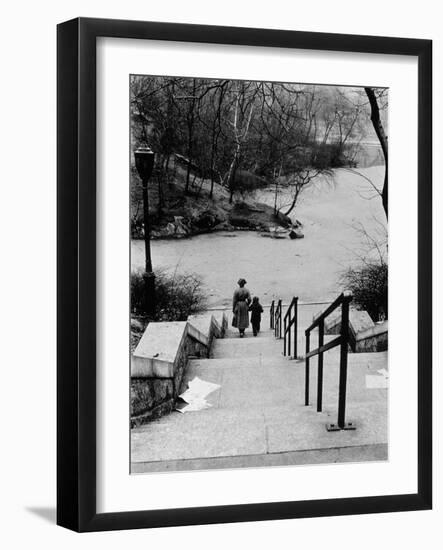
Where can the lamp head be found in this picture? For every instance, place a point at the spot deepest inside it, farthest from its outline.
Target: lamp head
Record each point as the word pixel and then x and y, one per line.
pixel 144 161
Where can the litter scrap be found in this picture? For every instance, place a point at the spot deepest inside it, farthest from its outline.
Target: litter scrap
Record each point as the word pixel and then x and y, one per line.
pixel 196 395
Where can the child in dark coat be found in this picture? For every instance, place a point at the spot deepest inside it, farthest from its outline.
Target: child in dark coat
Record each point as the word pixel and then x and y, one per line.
pixel 256 311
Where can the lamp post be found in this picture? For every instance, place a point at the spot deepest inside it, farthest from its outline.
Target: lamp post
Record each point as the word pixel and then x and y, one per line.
pixel 144 162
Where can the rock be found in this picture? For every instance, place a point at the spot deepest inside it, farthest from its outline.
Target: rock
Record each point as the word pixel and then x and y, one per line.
pixel 239 221
pixel 262 227
pixel 181 226
pixel 283 219
pixel 223 226
pixel 206 220
pixel 296 234
pixel 137 325
pixel 169 230
pixel 278 232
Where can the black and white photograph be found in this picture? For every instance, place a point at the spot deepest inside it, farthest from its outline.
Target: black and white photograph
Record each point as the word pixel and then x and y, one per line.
pixel 221 301
pixel 259 274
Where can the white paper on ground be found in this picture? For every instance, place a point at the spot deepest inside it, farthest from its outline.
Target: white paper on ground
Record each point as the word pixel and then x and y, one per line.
pixel 384 372
pixel 196 395
pixel 374 381
pixel 197 405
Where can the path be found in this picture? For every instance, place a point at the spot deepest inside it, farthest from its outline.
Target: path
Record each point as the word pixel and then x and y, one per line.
pixel 258 417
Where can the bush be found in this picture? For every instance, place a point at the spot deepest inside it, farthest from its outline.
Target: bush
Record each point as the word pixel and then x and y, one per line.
pixel 369 286
pixel 177 295
pixel 331 155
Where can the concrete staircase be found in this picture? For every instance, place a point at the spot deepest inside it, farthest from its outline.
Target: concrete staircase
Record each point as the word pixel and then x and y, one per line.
pixel 258 417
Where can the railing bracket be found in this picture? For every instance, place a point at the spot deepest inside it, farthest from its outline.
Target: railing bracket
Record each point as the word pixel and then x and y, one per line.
pixel 336 427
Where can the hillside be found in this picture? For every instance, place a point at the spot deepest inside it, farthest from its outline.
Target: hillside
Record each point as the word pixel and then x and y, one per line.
pixel 184 214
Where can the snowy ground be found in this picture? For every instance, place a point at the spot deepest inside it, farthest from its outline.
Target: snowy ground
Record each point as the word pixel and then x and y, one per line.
pixel 309 267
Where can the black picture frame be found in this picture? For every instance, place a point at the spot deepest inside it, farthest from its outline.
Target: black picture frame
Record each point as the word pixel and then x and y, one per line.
pixel 76 264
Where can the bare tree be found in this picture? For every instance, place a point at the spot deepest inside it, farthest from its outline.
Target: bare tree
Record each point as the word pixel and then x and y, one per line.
pixel 246 135
pixel 372 94
pixel 244 97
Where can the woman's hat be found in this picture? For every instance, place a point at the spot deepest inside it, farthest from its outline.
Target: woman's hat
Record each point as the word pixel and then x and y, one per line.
pixel 241 282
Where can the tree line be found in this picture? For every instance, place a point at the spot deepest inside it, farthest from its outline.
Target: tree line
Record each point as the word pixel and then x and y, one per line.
pixel 245 134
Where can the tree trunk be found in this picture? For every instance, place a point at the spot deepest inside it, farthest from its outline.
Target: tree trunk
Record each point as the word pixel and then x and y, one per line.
pixel 383 139
pixel 232 172
pixel 275 196
pixel 294 201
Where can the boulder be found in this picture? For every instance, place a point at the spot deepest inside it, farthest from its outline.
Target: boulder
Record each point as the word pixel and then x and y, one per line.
pixel 137 325
pixel 181 226
pixel 296 234
pixel 169 230
pixel 282 219
pixel 239 221
pixel 278 232
pixel 206 220
pixel 224 226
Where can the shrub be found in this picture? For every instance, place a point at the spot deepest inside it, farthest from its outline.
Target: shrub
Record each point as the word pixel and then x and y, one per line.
pixel 177 295
pixel 369 286
pixel 331 155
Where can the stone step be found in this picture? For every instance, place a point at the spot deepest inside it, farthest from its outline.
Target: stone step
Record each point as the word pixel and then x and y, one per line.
pixel 355 453
pixel 263 344
pixel 246 347
pixel 371 360
pixel 233 333
pixel 273 380
pixel 259 410
pixel 239 362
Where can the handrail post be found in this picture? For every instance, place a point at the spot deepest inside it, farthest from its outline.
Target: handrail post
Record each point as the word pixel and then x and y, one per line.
pixel 275 322
pixel 279 319
pixel 288 329
pixel 343 363
pixel 271 315
pixel 295 326
pixel 308 336
pixel 284 337
pixel 321 332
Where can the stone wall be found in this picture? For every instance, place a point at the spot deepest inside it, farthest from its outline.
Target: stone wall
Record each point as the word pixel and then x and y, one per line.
pixel 152 397
pixel 364 335
pixel 159 362
pixel 373 339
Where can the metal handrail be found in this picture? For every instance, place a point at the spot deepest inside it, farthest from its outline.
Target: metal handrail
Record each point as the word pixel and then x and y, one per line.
pixel 271 315
pixel 335 304
pixel 277 320
pixel 343 341
pixel 290 320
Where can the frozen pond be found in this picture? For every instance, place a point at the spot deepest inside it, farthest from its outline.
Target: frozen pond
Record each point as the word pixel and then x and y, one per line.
pixel 280 268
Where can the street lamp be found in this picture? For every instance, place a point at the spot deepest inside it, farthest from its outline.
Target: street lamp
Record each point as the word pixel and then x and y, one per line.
pixel 144 162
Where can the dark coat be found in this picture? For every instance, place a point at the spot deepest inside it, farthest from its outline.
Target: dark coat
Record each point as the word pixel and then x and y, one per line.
pixel 256 311
pixel 240 303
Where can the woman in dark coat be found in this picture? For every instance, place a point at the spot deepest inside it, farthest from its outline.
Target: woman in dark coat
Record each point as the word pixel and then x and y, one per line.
pixel 240 307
